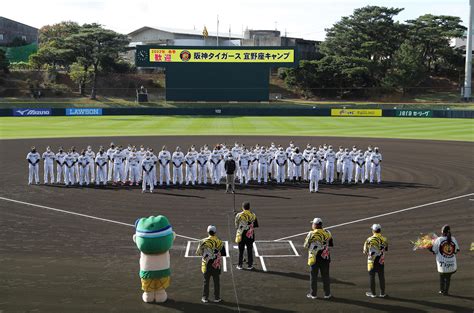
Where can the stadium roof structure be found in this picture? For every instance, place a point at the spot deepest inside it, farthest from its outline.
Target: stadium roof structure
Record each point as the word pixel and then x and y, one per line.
pixel 194 32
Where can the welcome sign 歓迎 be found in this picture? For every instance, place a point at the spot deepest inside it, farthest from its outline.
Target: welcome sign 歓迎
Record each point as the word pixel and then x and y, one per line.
pixel 356 112
pixel 83 111
pixel 32 112
pixel 164 55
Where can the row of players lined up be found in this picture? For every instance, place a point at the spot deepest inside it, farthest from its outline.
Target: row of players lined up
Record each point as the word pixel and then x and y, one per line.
pixel 259 163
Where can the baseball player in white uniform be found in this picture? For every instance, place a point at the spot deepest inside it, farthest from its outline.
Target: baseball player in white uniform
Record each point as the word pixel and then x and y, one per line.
pixel 177 159
pixel 207 153
pixel 306 158
pixel 69 162
pixel 101 160
pixel 194 154
pixel 110 152
pixel 48 159
pixel 147 167
pixel 141 156
pixel 289 151
pixel 33 158
pixel 339 155
pixel 263 159
pixel 134 167
pixel 376 166
pixel 359 162
pixel 346 166
pixel 83 162
pixel 314 171
pixel 215 160
pixel 367 155
pixel 323 162
pixel 353 154
pixel 126 169
pixel 280 159
pixel 76 164
pixel 320 156
pixel 254 162
pixel 236 151
pixel 202 165
pixel 297 160
pixel 91 156
pixel 118 158
pixel 190 164
pixel 244 163
pixel 271 163
pixel 330 158
pixel 164 158
pixel 60 167
pixel 153 171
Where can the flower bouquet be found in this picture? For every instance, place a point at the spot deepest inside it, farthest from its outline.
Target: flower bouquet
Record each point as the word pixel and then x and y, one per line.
pixel 424 241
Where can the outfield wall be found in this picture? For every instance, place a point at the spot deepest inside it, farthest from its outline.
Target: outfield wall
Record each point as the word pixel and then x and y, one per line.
pixel 26 112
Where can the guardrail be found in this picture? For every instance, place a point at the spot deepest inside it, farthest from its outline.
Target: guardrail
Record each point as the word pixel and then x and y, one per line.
pixel 27 112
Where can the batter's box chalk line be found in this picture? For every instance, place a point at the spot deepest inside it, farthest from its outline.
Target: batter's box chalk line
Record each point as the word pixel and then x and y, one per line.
pixel 272 243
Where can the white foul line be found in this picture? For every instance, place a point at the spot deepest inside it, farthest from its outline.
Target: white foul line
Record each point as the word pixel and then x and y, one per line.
pixel 82 215
pixel 262 262
pixel 381 215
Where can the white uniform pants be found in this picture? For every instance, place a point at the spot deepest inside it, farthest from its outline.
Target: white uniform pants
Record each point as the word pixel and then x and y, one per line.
pixel 359 173
pixel 60 171
pixel 111 169
pixel 83 175
pixel 91 168
pixel 351 172
pixel 76 171
pixel 147 180
pixel 339 167
pixel 375 170
pixel 70 178
pixel 134 173
pixel 178 174
pixel 262 172
pixel 290 169
pixel 48 172
pixel 346 167
pixel 118 172
pixel 297 171
pixel 313 180
pixel 305 170
pixel 244 175
pixel 254 170
pixel 154 176
pixel 101 174
pixel 323 170
pixel 330 172
pixel 202 174
pixel 280 176
pixel 367 169
pixel 165 172
pixel 190 178
pixel 126 171
pixel 33 171
pixel 215 173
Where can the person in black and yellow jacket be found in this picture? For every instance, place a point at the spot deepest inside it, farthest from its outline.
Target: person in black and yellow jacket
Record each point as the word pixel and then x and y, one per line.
pixel 318 242
pixel 245 223
pixel 211 249
pixel 375 247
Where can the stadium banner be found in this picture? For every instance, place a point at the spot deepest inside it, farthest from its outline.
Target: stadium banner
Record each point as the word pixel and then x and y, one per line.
pixel 83 111
pixel 203 55
pixel 32 112
pixel 414 113
pixel 356 112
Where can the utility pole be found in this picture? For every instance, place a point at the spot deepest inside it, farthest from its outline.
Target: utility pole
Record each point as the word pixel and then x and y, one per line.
pixel 467 92
pixel 218 30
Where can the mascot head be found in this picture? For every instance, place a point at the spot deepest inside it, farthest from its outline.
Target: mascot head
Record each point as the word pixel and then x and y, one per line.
pixel 154 234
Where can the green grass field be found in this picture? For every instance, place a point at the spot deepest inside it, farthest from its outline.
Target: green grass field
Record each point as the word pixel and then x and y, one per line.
pixel 404 128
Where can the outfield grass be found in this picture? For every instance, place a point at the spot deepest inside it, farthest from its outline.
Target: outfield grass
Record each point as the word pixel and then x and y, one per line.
pixel 405 128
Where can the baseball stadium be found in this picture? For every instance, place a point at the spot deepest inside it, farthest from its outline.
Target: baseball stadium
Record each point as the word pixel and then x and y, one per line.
pixel 233 158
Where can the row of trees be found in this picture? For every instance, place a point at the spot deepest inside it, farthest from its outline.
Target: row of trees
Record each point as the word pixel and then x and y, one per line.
pixel 84 51
pixel 369 49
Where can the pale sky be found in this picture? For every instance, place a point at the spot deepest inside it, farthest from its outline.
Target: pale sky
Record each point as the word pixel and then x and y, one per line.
pixel 300 18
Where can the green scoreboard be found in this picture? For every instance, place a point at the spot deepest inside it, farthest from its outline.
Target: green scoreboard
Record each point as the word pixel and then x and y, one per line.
pixel 216 73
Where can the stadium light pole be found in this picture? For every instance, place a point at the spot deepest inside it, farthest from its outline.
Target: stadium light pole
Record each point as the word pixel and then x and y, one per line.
pixel 467 94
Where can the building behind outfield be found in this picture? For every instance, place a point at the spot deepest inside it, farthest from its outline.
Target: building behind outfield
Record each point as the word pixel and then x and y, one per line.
pixel 307 49
pixel 9 30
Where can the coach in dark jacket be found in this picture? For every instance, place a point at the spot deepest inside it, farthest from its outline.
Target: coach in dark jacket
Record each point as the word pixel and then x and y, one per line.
pixel 229 167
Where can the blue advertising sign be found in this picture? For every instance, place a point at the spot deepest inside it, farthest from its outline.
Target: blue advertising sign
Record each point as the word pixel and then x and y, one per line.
pixel 83 111
pixel 32 112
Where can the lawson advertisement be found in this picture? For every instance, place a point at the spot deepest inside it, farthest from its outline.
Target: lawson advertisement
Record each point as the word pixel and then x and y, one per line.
pixel 83 111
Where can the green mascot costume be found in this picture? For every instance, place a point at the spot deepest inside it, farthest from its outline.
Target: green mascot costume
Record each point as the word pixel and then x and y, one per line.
pixel 154 237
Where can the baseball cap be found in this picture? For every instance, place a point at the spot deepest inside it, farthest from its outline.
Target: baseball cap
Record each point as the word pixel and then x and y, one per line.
pixel 211 228
pixel 376 227
pixel 317 221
